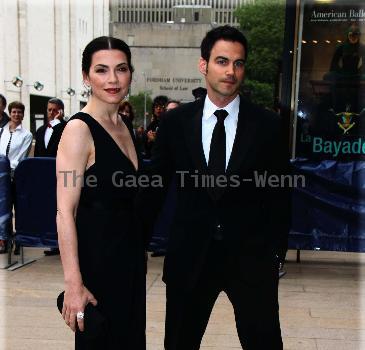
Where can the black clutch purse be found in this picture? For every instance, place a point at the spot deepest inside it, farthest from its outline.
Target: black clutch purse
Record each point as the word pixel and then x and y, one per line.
pixel 94 321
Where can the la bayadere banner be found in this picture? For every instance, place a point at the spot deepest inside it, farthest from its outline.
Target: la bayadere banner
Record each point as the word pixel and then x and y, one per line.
pixel 331 87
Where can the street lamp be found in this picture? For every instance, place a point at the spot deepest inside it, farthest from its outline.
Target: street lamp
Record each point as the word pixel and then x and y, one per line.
pixel 37 85
pixel 16 81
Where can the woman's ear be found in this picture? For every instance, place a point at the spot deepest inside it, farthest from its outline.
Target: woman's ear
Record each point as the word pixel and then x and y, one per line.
pixel 85 78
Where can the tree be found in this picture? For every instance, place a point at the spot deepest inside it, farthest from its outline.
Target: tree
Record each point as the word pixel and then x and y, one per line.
pixel 137 101
pixel 263 24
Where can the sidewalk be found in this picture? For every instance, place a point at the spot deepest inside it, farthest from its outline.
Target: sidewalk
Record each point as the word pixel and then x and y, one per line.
pixel 320 301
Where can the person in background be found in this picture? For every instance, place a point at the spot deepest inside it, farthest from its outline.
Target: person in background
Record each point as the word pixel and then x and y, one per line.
pixel 4 118
pixel 171 104
pixel 48 135
pixel 158 107
pixel 15 140
pixel 126 110
pixel 199 93
pixel 15 143
pixel 161 230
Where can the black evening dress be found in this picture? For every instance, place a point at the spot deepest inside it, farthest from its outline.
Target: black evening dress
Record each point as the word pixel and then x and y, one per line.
pixel 111 252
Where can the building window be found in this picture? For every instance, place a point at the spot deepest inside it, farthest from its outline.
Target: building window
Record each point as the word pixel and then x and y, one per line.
pixel 196 16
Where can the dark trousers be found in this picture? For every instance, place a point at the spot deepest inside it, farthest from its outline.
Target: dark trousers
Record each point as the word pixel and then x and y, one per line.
pixel 255 304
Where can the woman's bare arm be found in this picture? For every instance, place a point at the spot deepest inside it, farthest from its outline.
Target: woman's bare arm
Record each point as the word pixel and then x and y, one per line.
pixel 75 153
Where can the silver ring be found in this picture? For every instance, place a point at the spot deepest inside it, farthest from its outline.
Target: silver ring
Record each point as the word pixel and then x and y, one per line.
pixel 80 315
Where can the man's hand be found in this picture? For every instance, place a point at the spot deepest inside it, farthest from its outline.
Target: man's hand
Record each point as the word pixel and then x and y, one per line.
pixel 151 136
pixel 60 114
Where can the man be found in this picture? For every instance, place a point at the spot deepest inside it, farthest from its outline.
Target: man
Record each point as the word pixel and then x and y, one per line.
pixel 48 136
pixel 172 104
pixel 4 118
pixel 223 238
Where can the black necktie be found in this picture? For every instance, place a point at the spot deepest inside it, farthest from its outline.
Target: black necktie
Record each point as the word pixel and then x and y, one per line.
pixel 8 146
pixel 217 153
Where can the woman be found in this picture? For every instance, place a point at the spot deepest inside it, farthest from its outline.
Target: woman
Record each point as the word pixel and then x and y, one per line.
pixel 15 140
pixel 102 254
pixel 126 110
pixel 15 144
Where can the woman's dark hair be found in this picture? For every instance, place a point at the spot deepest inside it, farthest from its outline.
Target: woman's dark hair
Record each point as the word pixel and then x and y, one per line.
pixel 122 106
pixel 226 33
pixel 16 104
pixel 105 43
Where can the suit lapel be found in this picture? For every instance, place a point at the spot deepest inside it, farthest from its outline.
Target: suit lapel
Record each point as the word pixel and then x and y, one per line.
pixel 245 136
pixel 193 134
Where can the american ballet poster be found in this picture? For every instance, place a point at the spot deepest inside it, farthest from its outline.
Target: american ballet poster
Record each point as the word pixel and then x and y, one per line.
pixel 330 114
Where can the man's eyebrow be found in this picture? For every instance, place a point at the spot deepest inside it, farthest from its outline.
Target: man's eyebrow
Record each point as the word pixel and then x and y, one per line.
pixel 226 58
pixel 221 57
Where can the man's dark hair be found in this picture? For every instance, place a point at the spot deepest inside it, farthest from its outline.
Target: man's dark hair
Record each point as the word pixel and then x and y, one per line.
pixel 104 43
pixel 227 33
pixel 160 100
pixel 173 101
pixel 57 101
pixel 16 104
pixel 2 97
pixel 199 92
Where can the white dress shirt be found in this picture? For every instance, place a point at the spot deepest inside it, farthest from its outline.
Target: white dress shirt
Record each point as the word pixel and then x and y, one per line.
pixel 19 145
pixel 49 131
pixel 230 123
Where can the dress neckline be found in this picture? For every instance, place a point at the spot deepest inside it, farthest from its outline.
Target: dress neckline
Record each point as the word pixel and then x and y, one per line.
pixel 115 143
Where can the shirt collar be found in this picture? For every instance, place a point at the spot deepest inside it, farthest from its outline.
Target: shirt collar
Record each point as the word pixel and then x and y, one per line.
pixel 19 127
pixel 54 122
pixel 232 108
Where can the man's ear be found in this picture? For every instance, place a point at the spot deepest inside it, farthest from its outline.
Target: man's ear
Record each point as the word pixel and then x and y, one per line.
pixel 203 65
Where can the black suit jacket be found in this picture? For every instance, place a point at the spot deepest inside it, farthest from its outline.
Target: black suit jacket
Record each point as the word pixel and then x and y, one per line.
pixel 253 220
pixel 40 149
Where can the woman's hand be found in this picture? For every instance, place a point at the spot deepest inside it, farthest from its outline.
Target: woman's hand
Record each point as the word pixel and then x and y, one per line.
pixel 75 300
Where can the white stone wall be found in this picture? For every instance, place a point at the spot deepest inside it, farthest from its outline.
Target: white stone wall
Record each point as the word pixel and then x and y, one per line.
pixel 43 40
pixel 165 57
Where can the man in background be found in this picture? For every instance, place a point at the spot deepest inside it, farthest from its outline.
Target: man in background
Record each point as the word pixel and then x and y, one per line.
pixel 4 118
pixel 48 136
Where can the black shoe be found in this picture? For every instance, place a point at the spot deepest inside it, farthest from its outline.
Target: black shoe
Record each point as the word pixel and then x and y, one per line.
pixel 53 251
